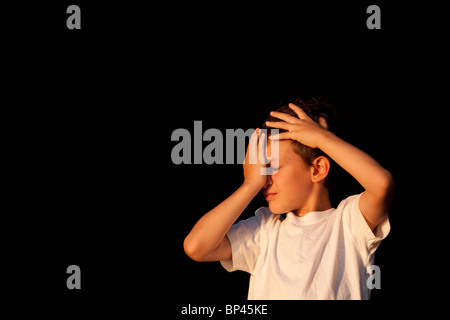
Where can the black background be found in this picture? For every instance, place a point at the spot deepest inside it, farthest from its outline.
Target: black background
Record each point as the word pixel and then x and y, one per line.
pixel 92 112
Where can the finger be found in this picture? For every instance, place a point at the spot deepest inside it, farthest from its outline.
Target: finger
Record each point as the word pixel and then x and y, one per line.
pixel 273 157
pixel 279 125
pixel 249 147
pixel 252 140
pixel 299 111
pixel 262 145
pixel 251 156
pixel 281 136
pixel 284 116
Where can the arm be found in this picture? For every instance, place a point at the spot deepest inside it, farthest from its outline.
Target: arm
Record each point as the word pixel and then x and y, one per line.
pixel 207 240
pixel 377 181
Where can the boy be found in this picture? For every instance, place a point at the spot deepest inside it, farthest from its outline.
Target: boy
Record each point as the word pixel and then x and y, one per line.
pixel 316 252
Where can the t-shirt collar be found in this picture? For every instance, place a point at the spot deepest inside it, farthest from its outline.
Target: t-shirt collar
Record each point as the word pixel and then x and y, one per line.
pixel 309 218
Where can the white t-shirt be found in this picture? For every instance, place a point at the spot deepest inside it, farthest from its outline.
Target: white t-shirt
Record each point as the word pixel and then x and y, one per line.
pixel 322 255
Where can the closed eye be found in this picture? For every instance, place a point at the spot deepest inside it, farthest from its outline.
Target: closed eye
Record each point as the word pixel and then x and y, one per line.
pixel 273 164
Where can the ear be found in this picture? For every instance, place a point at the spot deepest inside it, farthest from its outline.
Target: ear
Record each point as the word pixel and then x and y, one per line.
pixel 323 123
pixel 320 168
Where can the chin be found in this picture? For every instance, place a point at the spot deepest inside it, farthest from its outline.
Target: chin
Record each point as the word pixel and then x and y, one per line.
pixel 275 209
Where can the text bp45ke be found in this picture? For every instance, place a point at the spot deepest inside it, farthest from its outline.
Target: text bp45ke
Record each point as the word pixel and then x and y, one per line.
pixel 246 309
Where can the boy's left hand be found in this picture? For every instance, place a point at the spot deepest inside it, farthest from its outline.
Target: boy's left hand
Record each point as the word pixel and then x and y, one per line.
pixel 377 182
pixel 304 129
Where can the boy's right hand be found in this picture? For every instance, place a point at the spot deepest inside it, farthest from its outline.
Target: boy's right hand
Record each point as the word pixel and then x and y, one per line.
pixel 208 240
pixel 252 164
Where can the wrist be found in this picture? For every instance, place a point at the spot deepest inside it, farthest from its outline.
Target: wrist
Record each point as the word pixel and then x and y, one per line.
pixel 324 138
pixel 251 187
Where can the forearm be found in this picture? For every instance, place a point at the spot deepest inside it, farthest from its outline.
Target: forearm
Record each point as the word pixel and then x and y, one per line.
pixel 211 229
pixel 374 203
pixel 368 172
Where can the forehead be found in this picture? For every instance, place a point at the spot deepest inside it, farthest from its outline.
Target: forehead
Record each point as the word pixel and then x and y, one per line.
pixel 285 152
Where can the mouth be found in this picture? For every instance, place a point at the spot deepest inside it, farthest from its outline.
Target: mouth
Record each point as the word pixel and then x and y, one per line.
pixel 269 196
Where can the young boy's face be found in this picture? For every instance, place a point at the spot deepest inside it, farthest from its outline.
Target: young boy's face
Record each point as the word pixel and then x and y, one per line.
pixel 289 188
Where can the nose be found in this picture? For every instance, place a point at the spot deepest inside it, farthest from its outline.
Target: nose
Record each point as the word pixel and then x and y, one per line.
pixel 268 182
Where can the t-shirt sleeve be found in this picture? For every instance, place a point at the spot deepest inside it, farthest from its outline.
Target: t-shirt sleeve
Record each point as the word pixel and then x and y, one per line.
pixel 244 237
pixel 365 239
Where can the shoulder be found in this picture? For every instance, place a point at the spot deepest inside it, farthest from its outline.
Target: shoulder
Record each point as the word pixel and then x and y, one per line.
pixel 349 206
pixel 263 216
pixel 351 216
pixel 348 210
pixel 263 220
pixel 266 216
pixel 350 202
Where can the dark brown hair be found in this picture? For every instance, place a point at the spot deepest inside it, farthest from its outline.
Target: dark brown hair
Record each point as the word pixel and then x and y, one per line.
pixel 314 108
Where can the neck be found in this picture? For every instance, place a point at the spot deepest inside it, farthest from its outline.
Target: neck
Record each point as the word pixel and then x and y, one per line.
pixel 319 201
